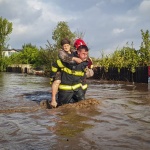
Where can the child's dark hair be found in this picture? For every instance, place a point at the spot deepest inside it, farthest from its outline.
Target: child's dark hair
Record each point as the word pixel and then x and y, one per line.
pixel 65 41
pixel 83 47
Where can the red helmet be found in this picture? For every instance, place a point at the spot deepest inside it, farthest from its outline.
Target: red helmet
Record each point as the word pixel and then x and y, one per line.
pixel 79 42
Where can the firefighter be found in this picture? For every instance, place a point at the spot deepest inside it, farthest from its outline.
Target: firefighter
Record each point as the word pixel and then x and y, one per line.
pixel 89 72
pixel 89 68
pixel 70 89
pixel 65 55
pixel 67 66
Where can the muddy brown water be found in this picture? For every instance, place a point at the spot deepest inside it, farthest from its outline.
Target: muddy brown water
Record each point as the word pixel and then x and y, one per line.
pixel 119 121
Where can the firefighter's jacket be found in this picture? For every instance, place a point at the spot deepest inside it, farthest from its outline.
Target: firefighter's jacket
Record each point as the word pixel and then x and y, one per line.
pixel 72 75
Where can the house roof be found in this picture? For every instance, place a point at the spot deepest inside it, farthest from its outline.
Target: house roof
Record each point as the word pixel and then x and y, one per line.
pixel 17 50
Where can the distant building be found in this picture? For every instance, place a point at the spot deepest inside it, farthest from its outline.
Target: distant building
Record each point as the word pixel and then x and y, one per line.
pixel 9 52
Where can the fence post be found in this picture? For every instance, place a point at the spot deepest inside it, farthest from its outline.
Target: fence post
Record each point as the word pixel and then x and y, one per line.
pixel 148 77
pixel 148 74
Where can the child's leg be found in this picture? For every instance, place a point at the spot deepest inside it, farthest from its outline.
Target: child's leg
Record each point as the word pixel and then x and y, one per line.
pixel 55 86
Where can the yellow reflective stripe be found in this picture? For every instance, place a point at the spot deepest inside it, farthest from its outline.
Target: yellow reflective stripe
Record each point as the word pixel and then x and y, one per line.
pixel 84 86
pixel 51 81
pixel 69 87
pixel 54 69
pixel 76 73
pixel 69 71
pixel 60 63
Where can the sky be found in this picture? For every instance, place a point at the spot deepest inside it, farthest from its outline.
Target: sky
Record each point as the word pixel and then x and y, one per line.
pixel 107 24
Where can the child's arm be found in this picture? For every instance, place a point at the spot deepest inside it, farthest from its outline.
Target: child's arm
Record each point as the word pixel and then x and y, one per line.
pixel 69 59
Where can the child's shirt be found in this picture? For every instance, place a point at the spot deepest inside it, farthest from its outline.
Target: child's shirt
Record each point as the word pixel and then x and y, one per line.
pixel 65 57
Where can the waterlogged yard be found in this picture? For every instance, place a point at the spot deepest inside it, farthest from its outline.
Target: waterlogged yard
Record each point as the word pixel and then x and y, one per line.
pixel 115 116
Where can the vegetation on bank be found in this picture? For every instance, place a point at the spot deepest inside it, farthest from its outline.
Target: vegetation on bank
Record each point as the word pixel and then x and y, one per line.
pixel 5 30
pixel 128 56
pixel 43 58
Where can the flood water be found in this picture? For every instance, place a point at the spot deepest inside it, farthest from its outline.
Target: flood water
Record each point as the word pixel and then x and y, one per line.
pixel 120 122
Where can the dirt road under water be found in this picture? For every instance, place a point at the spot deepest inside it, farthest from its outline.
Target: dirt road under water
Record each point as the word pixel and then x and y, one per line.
pixel 115 116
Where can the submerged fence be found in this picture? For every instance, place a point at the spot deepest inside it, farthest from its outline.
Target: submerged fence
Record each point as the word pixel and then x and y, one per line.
pixel 140 75
pixel 24 69
pixel 16 69
pixel 19 68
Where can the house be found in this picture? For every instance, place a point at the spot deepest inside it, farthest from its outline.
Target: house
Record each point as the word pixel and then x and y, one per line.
pixel 9 52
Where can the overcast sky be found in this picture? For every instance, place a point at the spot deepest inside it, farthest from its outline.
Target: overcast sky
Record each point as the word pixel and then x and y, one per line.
pixel 107 24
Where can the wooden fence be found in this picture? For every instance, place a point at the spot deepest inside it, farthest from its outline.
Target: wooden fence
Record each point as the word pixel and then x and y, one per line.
pixel 140 76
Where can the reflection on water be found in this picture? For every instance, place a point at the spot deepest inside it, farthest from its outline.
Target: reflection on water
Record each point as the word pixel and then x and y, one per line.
pixel 121 121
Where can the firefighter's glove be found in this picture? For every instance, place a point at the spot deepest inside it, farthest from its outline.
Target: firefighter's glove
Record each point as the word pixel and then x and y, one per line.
pixel 90 63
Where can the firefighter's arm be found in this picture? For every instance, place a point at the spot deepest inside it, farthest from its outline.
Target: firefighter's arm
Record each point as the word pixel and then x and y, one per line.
pixel 77 60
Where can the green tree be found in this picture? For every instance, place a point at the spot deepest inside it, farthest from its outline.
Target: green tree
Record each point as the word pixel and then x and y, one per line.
pixel 117 60
pixel 48 56
pixel 16 58
pixel 126 57
pixel 130 57
pixel 29 55
pixel 145 49
pixel 5 63
pixel 5 30
pixel 62 31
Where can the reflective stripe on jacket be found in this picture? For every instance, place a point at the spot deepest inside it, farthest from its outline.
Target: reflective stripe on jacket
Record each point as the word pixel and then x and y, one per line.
pixel 84 86
pixel 67 70
pixel 72 87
